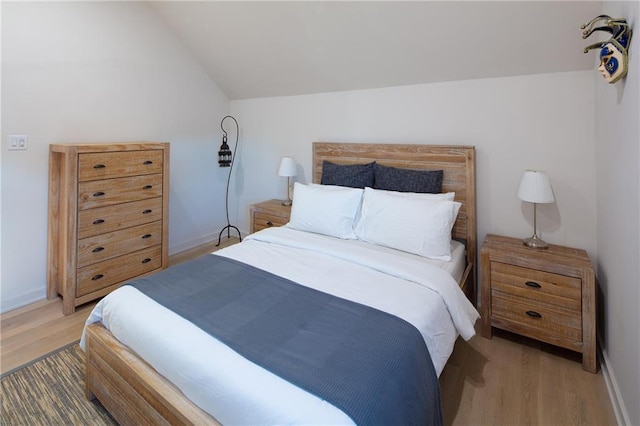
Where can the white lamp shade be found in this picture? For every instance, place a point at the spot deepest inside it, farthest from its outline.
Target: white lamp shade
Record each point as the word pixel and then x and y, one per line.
pixel 287 167
pixel 535 188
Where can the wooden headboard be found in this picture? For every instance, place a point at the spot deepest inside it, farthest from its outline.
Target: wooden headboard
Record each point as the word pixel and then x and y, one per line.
pixel 458 163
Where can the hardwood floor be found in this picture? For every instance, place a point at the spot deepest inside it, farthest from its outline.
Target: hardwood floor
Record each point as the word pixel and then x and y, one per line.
pixel 35 330
pixel 508 380
pixel 513 380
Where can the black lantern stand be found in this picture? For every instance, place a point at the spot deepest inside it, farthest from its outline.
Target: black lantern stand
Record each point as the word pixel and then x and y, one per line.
pixel 226 159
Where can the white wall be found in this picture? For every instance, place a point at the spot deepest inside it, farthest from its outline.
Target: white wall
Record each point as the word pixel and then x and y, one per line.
pixel 537 121
pixel 100 72
pixel 617 113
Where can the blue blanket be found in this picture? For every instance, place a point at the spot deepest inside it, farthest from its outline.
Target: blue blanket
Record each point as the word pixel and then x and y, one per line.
pixel 372 365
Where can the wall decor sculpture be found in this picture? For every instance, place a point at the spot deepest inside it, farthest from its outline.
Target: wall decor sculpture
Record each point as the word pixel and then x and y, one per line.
pixel 614 59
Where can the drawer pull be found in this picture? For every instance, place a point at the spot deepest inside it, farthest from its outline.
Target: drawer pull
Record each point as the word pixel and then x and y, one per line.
pixel 145 236
pixel 147 260
pixel 98 221
pixel 532 284
pixel 98 194
pixel 97 277
pixel 148 162
pixel 533 314
pixel 99 166
pixel 97 249
pixel 269 223
pixel 147 211
pixel 147 187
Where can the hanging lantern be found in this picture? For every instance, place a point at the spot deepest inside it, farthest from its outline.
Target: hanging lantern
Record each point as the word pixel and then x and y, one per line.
pixel 224 155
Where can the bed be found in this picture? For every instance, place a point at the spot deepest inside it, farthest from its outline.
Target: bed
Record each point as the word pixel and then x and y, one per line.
pixel 134 392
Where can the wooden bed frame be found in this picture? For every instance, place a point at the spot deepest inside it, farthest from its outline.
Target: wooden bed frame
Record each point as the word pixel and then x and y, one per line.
pixel 134 393
pixel 458 163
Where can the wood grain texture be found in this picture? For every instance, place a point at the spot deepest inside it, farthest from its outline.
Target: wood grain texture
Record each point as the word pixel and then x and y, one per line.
pixel 99 195
pixel 108 165
pixel 268 213
pixel 102 193
pixel 515 380
pixel 130 389
pixel 456 161
pixel 35 330
pixel 547 295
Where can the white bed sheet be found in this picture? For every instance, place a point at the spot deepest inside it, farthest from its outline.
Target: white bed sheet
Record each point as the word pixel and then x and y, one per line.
pixel 236 391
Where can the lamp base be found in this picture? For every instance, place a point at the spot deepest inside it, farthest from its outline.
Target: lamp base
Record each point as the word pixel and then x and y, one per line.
pixel 287 202
pixel 535 242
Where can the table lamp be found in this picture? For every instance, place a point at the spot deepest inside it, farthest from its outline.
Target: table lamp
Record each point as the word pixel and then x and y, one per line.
pixel 535 188
pixel 288 169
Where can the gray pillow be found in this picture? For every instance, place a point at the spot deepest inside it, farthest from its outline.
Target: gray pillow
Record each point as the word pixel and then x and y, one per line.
pixel 351 175
pixel 407 180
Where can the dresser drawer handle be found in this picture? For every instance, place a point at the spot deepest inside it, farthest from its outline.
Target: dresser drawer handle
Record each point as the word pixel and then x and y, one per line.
pixel 269 223
pixel 147 187
pixel 145 236
pixel 99 166
pixel 147 211
pixel 98 194
pixel 533 314
pixel 97 277
pixel 97 249
pixel 532 284
pixel 148 162
pixel 147 260
pixel 98 221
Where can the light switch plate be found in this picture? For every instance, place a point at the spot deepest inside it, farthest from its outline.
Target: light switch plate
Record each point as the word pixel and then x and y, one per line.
pixel 18 142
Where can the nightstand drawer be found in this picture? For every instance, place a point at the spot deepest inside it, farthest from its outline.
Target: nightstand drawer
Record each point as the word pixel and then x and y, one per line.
pixel 540 319
pixel 267 220
pixel 560 290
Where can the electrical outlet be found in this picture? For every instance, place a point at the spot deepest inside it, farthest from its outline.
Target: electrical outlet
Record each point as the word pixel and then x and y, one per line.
pixel 18 142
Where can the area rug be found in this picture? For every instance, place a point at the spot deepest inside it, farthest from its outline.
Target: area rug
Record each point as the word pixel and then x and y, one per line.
pixel 50 391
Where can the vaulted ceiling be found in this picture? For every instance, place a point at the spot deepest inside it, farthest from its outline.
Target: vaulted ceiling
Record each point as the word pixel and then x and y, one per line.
pixel 263 48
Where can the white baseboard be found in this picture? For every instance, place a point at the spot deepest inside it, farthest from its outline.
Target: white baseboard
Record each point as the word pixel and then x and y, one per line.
pixel 619 409
pixel 202 240
pixel 22 300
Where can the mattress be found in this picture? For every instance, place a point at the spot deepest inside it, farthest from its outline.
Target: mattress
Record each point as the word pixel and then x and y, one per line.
pixel 234 390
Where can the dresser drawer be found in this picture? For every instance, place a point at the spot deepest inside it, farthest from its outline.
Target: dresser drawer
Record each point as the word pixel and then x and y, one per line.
pixel 112 244
pixel 267 220
pixel 100 275
pixel 560 290
pixel 101 193
pixel 540 319
pixel 107 219
pixel 107 165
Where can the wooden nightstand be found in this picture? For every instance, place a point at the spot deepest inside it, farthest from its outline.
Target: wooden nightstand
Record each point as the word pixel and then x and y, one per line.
pixel 548 295
pixel 269 213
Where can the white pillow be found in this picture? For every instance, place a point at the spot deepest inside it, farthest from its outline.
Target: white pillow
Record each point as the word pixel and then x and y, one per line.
pixel 325 209
pixel 418 225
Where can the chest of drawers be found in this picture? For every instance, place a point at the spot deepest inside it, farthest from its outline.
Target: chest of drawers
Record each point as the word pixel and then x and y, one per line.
pixel 548 295
pixel 108 217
